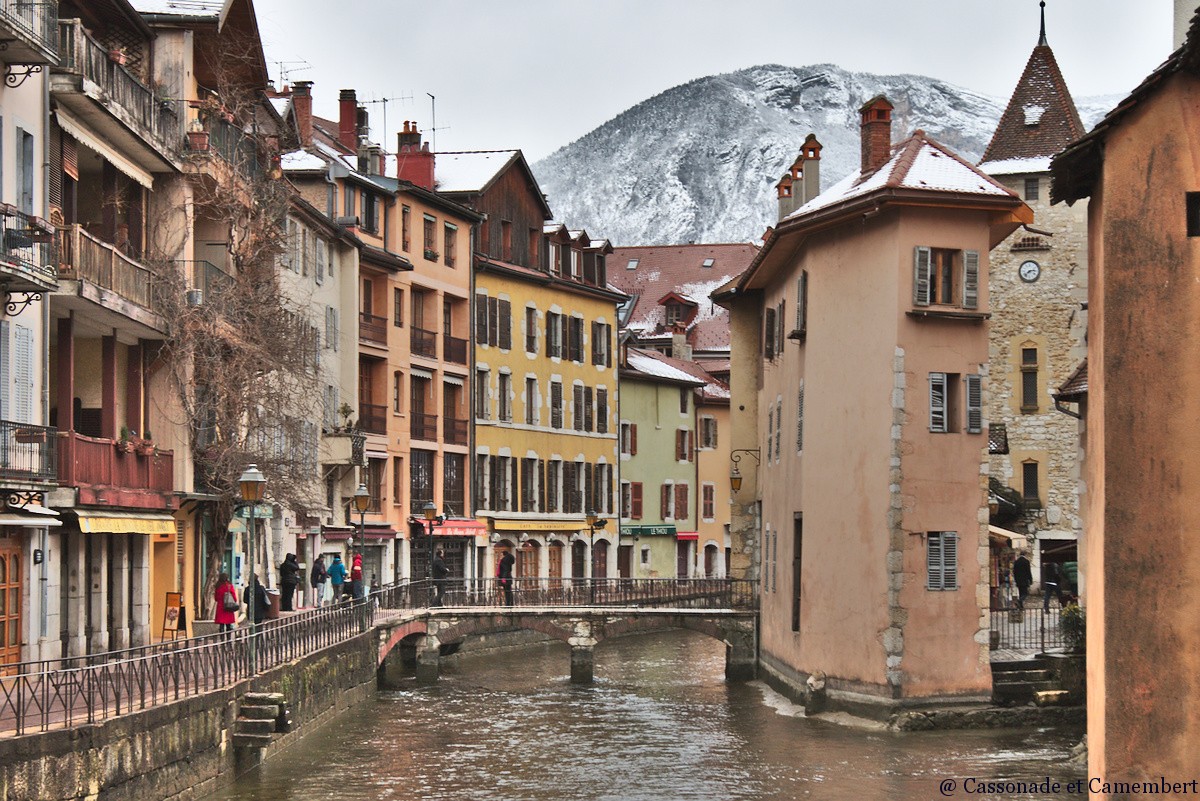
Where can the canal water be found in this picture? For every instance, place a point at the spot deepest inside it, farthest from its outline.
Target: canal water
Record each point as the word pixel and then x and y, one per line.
pixel 660 723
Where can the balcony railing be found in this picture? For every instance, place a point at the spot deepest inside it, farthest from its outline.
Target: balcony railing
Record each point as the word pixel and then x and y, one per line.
pixel 28 243
pixel 372 417
pixel 424 343
pixel 106 464
pixel 83 256
pixel 156 118
pixel 372 328
pixel 424 426
pixel 206 277
pixel 455 431
pixel 32 23
pixel 27 452
pixel 208 133
pixel 454 349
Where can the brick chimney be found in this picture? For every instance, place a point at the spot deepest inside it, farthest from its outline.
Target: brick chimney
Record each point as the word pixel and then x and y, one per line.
pixel 680 347
pixel 414 160
pixel 302 105
pixel 348 119
pixel 802 182
pixel 876 133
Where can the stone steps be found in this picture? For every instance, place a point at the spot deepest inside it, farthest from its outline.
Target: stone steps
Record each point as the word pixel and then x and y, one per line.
pixel 260 717
pixel 1050 697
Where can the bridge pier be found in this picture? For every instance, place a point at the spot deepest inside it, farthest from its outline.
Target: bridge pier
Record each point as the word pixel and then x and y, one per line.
pixel 741 658
pixel 428 659
pixel 583 664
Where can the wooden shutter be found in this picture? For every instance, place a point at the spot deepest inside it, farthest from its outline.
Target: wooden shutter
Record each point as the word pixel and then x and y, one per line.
pixel 588 415
pixel 680 452
pixel 505 338
pixel 595 342
pixel 633 439
pixel 780 322
pixel 551 323
pixel 5 360
pixel 922 267
pixel 493 333
pixel 937 402
pixel 933 561
pixel 541 482
pixel 949 560
pixel 602 411
pixel 689 442
pixel 802 302
pixel 769 335
pixel 974 404
pixel 23 379
pixel 970 279
pixel 681 501
pixel 481 319
pixel 512 482
pixel 665 511
pixel 589 487
pixel 800 418
pixel 635 500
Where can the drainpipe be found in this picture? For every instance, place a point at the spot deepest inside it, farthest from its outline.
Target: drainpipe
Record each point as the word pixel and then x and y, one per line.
pixel 44 578
pixel 1058 406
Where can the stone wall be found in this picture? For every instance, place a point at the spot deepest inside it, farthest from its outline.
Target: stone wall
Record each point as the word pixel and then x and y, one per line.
pixel 182 750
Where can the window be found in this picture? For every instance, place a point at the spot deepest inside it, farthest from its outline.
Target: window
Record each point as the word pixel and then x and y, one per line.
pixel 331 328
pixel 575 344
pixel 684 393
pixel 946 277
pixel 556 404
pixel 351 204
pixel 708 263
pixel 531 317
pixel 531 401
pixel 629 439
pixel 944 403
pixel 626 500
pixel 600 343
pixel 667 500
pixel 321 248
pixel 769 344
pixel 1030 491
pixel 420 480
pixel 1029 380
pixel 397 480
pixel 370 218
pixel 535 238
pixel 505 392
pixel 449 240
pixel 397 383
pixel 554 258
pixel 800 419
pixel 802 304
pixel 1031 188
pixel 601 410
pixel 376 469
pixel 528 485
pixel 632 265
pixel 398 307
pixel 406 229
pixel 941 560
pixel 577 407
pixel 553 334
pixel 576 263
pixel 683 445
pixel 797 573
pixel 429 238
pixel 493 322
pixel 708 494
pixel 676 312
pixel 482 412
pixel 25 170
pixel 708 432
pixel 589 409
pixel 453 483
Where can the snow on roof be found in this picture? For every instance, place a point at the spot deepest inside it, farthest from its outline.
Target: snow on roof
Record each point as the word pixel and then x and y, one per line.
pixel 651 364
pixel 468 171
pixel 281 105
pixel 1014 166
pixel 337 155
pixel 916 163
pixel 301 160
pixel 181 8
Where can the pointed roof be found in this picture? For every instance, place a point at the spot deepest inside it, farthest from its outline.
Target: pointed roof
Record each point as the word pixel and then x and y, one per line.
pixel 1040 120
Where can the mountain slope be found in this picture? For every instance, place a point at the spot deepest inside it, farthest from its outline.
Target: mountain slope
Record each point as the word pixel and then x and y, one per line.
pixel 699 162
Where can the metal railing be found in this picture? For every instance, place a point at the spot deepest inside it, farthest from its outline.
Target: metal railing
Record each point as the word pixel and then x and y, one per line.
pixel 34 19
pixel 207 277
pixel 424 343
pixel 1033 628
pixel 28 452
pixel 27 242
pixel 372 417
pixel 372 328
pixel 156 118
pixel 87 257
pixel 454 349
pixel 736 594
pixel 423 426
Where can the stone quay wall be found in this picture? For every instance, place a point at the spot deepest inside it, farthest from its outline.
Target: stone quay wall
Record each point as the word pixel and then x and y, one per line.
pixel 183 750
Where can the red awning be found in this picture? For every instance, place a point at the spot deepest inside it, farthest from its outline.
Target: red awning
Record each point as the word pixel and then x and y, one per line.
pixel 460 527
pixel 687 535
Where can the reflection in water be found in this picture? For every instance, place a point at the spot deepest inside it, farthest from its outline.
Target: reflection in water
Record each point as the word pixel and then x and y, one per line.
pixel 659 723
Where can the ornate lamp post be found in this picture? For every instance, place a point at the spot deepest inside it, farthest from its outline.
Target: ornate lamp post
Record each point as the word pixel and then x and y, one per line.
pixel 362 500
pixel 432 518
pixel 594 522
pixel 253 485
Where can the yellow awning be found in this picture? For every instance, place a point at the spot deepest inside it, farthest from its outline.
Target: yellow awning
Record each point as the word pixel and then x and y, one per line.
pixel 540 525
pixel 125 523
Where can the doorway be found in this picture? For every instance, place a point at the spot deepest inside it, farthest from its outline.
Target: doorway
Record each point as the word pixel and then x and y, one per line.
pixel 10 602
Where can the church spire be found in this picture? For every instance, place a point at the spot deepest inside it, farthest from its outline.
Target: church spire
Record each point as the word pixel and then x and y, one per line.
pixel 1042 38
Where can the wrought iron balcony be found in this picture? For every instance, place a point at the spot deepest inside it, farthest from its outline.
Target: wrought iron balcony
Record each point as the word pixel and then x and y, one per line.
pixel 206 279
pixel 372 328
pixel 454 349
pixel 27 26
pixel 424 343
pixel 27 257
pixel 424 426
pixel 372 417
pixel 88 258
pixel 210 133
pixel 28 453
pixel 121 473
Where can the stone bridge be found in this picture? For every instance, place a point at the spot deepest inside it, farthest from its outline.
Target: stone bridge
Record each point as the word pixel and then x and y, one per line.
pixel 428 633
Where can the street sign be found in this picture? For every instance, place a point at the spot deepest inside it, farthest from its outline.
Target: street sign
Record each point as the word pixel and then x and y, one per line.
pixel 262 511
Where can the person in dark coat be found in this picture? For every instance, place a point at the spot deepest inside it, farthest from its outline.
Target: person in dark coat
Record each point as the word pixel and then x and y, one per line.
pixel 1051 583
pixel 256 600
pixel 1022 577
pixel 505 575
pixel 441 578
pixel 317 578
pixel 289 578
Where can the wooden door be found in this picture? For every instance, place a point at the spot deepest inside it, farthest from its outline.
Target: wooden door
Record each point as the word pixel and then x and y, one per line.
pixel 681 559
pixel 10 602
pixel 625 561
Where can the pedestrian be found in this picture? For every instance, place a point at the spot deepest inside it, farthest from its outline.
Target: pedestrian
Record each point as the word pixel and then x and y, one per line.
pixel 441 578
pixel 356 578
pixel 1051 583
pixel 289 577
pixel 337 577
pixel 256 600
pixel 317 578
pixel 1023 577
pixel 226 599
pixel 505 575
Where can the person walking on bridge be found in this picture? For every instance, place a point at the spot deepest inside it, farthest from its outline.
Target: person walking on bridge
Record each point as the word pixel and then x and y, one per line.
pixel 337 577
pixel 505 575
pixel 441 577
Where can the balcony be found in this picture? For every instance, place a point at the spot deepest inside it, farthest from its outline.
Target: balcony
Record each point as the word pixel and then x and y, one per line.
pixel 424 343
pixel 210 133
pixel 454 349
pixel 27 258
pixel 109 472
pixel 204 278
pixel 88 258
pixel 113 102
pixel 27 453
pixel 372 418
pixel 455 431
pixel 27 26
pixel 372 328
pixel 424 426
pixel 344 447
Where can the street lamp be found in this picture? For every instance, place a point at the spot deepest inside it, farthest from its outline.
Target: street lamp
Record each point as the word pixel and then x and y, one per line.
pixel 735 475
pixel 362 500
pixel 432 518
pixel 253 485
pixel 594 522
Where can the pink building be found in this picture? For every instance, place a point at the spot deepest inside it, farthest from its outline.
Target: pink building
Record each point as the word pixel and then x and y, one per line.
pixel 860 342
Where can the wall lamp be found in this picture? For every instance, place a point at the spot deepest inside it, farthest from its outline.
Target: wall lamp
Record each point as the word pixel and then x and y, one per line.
pixel 735 475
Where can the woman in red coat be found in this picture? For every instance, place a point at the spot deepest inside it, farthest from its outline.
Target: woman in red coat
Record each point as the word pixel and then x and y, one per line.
pixel 225 618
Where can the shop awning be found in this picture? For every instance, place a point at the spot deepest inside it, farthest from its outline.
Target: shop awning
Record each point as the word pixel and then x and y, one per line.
pixel 461 528
pixel 540 525
pixel 37 516
pixel 648 531
pixel 687 535
pixel 1005 538
pixel 125 523
pixel 80 133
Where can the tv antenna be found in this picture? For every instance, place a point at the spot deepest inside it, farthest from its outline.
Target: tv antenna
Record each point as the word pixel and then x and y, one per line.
pixel 433 127
pixel 384 102
pixel 286 68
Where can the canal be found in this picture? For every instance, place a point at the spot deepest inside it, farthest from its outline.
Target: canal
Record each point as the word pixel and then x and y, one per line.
pixel 659 723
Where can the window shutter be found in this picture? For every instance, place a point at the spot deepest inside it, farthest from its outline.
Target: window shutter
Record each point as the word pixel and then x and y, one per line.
pixel 802 302
pixel 666 502
pixel 633 439
pixel 481 319
pixel 23 400
pixel 588 417
pixel 689 441
pixel 800 418
pixel 769 335
pixel 589 487
pixel 933 561
pixel 778 430
pixel 780 322
pixel 970 279
pixel 493 332
pixel 595 342
pixel 770 433
pixel 505 338
pixel 937 402
pixel 681 501
pixel 602 411
pixel 679 447
pixel 635 500
pixel 5 376
pixel 949 560
pixel 541 482
pixel 974 404
pixel 922 265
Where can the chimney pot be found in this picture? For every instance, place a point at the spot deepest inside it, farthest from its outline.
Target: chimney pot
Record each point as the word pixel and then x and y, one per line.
pixel 876 127
pixel 302 107
pixel 348 119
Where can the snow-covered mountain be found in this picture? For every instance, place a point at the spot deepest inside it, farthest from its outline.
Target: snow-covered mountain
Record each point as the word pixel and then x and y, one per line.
pixel 699 162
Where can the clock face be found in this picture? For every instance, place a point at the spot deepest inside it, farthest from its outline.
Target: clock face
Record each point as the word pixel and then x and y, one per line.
pixel 1029 271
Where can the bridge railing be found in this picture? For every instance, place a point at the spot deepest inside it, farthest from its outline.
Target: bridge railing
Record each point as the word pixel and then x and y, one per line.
pixel 654 593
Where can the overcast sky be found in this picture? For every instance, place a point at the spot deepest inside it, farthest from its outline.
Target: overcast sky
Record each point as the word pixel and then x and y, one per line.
pixel 538 74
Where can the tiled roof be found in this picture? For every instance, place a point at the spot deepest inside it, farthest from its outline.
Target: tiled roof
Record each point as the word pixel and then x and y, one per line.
pixel 1076 386
pixel 1041 118
pixel 653 364
pixel 679 268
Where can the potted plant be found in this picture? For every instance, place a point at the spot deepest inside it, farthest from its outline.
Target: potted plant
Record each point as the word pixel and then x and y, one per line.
pixel 1073 622
pixel 124 444
pixel 431 255
pixel 197 137
pixel 117 55
pixel 145 446
pixel 30 435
